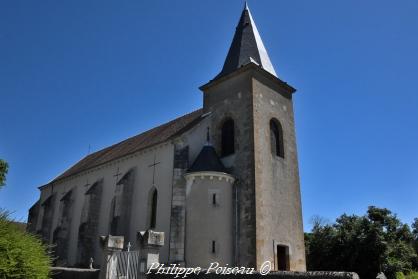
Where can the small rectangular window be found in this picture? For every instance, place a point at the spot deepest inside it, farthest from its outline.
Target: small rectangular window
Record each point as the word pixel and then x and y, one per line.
pixel 214 197
pixel 213 246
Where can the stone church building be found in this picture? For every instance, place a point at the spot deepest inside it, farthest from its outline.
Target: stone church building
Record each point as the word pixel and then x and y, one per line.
pixel 221 182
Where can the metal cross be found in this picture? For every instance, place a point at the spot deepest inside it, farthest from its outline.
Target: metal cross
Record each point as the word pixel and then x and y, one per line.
pixel 127 266
pixel 117 174
pixel 153 171
pixel 65 191
pixel 87 183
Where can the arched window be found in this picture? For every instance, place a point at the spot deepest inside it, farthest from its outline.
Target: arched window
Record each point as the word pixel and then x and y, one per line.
pixel 276 138
pixel 153 208
pixel 228 140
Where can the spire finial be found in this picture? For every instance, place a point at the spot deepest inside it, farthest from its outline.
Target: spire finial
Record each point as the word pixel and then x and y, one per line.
pixel 246 47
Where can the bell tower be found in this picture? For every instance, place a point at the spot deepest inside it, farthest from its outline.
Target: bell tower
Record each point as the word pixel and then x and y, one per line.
pixel 253 130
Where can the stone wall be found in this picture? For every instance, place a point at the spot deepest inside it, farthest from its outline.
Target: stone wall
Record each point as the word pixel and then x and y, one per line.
pixel 178 205
pixel 47 219
pixel 209 222
pixel 33 218
pixel 87 234
pixel 232 98
pixel 278 200
pixel 120 220
pixel 269 207
pixel 61 232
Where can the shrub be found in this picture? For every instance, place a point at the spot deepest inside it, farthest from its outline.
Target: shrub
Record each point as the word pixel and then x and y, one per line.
pixel 412 275
pixel 22 256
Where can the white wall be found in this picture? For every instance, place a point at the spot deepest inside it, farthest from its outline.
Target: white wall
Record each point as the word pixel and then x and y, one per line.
pixel 143 183
pixel 206 222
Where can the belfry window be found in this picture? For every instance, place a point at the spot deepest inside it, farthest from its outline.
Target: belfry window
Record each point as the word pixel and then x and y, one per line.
pixel 276 138
pixel 153 213
pixel 228 138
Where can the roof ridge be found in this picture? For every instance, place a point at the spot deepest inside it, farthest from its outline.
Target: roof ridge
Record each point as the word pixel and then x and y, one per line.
pixel 153 136
pixel 146 131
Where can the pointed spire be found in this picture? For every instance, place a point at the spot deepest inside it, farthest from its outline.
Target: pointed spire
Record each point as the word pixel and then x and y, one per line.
pixel 207 160
pixel 247 47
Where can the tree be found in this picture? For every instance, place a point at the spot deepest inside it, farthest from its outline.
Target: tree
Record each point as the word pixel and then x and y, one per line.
pixel 415 234
pixel 22 256
pixel 377 241
pixel 4 167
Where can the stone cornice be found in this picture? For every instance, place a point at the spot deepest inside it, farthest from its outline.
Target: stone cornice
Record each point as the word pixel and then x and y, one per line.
pixel 210 175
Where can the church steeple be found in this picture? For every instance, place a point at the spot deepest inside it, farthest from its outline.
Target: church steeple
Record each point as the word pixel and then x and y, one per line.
pixel 246 47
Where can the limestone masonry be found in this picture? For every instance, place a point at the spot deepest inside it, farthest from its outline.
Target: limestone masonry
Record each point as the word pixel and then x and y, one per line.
pixel 222 182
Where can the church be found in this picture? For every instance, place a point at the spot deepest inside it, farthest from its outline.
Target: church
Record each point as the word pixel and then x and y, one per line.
pixel 221 182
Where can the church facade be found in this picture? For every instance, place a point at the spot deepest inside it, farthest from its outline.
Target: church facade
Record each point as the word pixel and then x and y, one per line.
pixel 222 182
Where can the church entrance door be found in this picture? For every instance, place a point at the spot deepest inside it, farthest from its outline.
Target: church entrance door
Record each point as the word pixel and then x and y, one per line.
pixel 282 258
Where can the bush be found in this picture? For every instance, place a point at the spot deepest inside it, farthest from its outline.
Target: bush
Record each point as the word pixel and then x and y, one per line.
pixel 399 275
pixel 412 275
pixel 375 242
pixel 22 256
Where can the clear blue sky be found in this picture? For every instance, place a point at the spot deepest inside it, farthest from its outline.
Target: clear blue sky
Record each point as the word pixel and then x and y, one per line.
pixel 74 73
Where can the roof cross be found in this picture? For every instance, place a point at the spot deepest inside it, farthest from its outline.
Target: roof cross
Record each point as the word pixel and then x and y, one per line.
pixel 65 191
pixel 87 183
pixel 153 171
pixel 117 174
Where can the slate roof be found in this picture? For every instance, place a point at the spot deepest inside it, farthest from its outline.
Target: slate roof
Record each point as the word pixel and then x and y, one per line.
pixel 144 140
pixel 207 160
pixel 246 47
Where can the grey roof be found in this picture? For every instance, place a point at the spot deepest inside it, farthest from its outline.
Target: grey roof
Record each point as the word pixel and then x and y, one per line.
pixel 246 47
pixel 207 160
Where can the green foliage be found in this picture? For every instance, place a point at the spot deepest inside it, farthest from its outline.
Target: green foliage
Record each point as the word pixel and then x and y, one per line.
pixel 4 167
pixel 22 256
pixel 412 275
pixel 415 241
pixel 377 241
